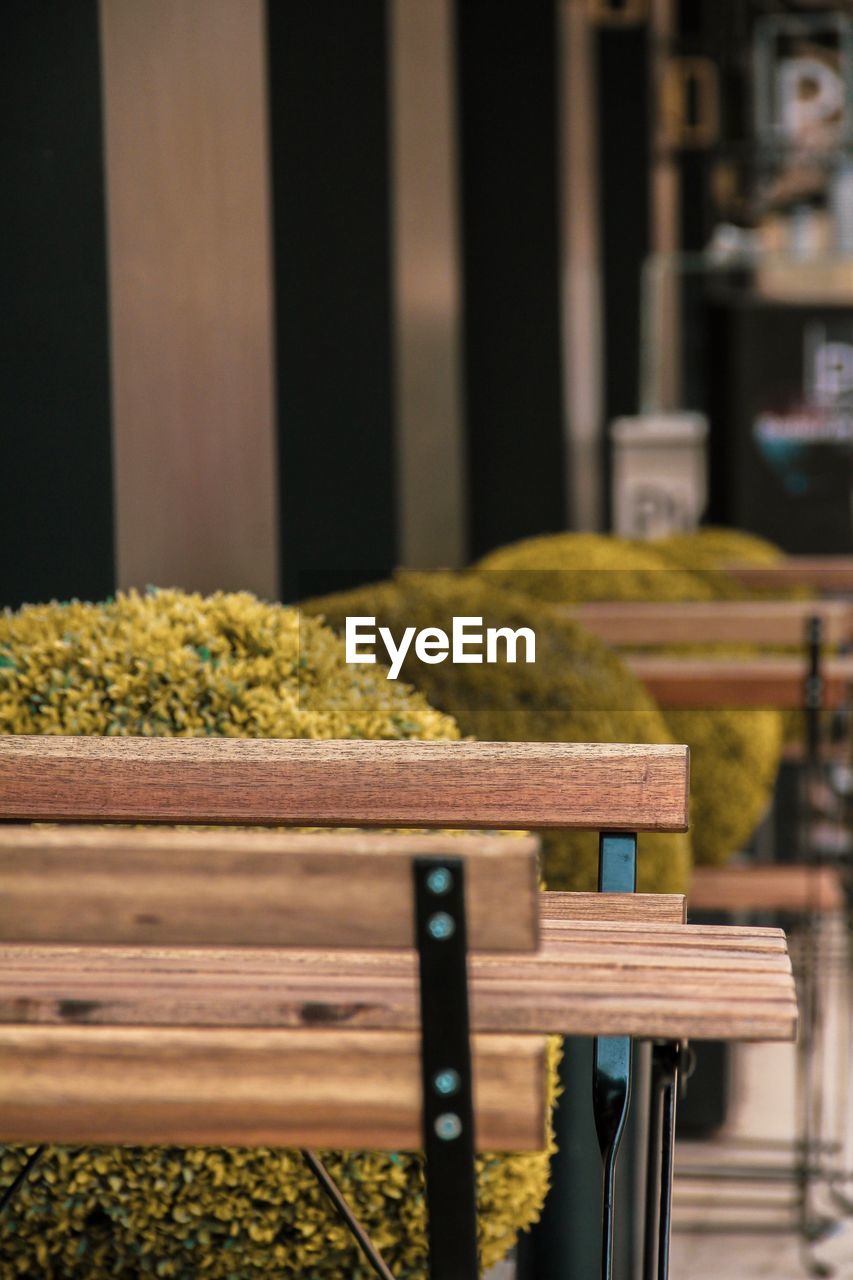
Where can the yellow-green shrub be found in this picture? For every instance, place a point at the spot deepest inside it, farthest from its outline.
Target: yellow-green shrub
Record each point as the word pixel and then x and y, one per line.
pixel 734 753
pixel 707 551
pixel 577 691
pixel 175 664
pixel 568 568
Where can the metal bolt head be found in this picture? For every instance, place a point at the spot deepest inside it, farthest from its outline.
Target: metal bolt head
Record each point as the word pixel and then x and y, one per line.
pixel 448 1126
pixel 446 1082
pixel 441 926
pixel 439 880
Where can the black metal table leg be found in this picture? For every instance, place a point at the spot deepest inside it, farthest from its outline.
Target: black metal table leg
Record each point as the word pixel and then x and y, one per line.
pixel 448 1113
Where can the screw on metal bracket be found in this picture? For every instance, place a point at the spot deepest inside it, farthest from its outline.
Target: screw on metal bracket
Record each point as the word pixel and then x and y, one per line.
pixel 439 880
pixel 441 926
pixel 446 1082
pixel 448 1126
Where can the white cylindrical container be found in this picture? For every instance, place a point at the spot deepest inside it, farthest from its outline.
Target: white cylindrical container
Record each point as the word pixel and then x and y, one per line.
pixel 660 483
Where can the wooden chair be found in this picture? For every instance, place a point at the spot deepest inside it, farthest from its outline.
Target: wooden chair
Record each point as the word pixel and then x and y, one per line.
pixel 812 682
pixel 325 1000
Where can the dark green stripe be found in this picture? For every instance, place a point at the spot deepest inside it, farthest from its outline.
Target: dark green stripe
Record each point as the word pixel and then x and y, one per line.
pixel 329 148
pixel 507 94
pixel 57 519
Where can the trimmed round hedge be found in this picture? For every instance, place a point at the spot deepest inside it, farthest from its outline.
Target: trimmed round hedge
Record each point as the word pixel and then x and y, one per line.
pixel 578 690
pixel 175 664
pixel 708 550
pixel 734 753
pixel 571 568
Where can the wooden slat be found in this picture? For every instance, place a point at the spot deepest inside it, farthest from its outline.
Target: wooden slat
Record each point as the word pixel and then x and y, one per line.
pixel 252 888
pixel 698 683
pixel 252 1087
pixel 627 624
pixel 651 908
pixel 584 980
pixel 340 783
pixel 823 573
pixel 770 888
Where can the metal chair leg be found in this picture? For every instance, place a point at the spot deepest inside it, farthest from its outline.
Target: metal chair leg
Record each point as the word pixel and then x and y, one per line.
pixel 333 1191
pixel 611 1099
pixel 667 1062
pixel 611 1089
pixel 653 1169
pixel 667 1157
pixel 21 1176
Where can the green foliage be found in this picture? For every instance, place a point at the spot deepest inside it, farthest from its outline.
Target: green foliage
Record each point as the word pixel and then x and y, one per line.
pixel 707 551
pixel 569 568
pixel 577 691
pixel 175 664
pixel 734 754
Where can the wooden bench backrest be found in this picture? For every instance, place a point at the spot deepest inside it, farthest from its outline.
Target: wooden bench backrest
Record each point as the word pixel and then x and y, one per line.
pixel 822 573
pixel 323 890
pixel 629 625
pixel 344 783
pixel 778 682
pixel 253 888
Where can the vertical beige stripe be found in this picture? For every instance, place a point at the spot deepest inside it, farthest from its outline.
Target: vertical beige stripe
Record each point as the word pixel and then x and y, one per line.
pixel 581 259
pixel 190 293
pixel 430 443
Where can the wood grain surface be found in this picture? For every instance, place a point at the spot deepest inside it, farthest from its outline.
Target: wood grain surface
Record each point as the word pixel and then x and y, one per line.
pixel 770 888
pixel 252 1087
pixel 738 682
pixel 823 573
pixel 628 624
pixel 341 783
pixel 651 908
pixel 669 981
pixel 253 888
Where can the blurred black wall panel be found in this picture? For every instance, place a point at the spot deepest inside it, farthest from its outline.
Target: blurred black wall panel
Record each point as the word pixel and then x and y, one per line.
pixel 56 524
pixel 507 104
pixel 624 157
pixel 331 245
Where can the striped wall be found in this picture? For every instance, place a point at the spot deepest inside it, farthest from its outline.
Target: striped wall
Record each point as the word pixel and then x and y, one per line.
pixel 298 292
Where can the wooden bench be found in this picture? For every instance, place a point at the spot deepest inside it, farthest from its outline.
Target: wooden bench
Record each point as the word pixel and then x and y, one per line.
pixel 324 997
pixel 800 889
pixel 637 624
pixel 822 573
pixel 778 682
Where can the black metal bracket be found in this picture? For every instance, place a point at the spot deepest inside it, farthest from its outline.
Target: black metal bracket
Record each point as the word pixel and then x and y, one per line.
pixel 448 1111
pixel 611 1076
